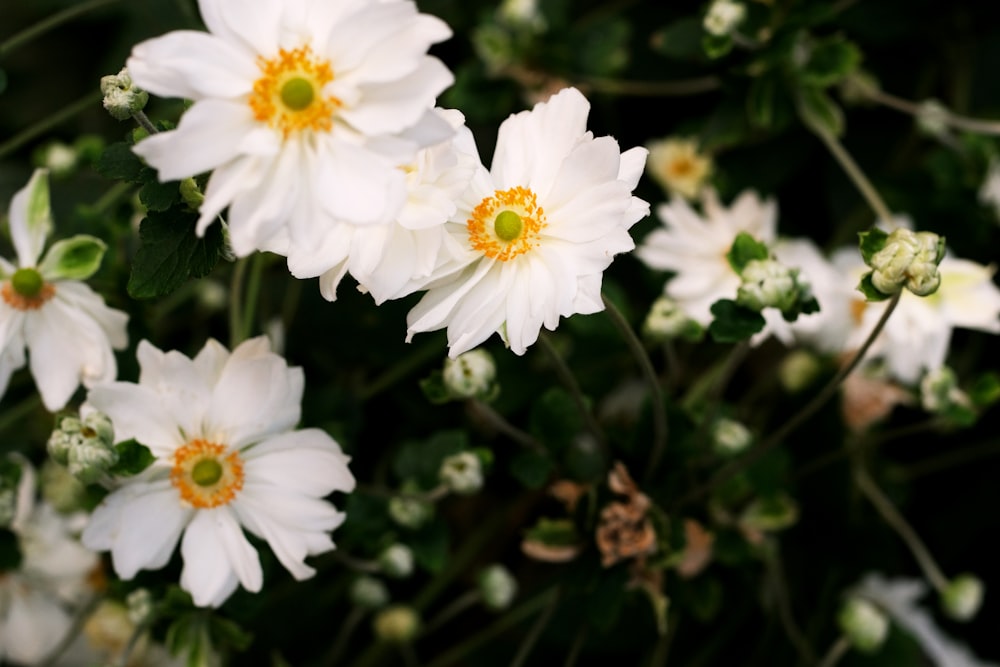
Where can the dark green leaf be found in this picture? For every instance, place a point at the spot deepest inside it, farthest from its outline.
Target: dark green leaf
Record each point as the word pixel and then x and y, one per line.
pixel 118 162
pixel 156 196
pixel 531 468
pixel 819 112
pixel 830 61
pixel 555 419
pixel 133 458
pixel 680 40
pixel 421 460
pixel 434 389
pixel 716 46
pixel 604 604
pixel 228 633
pixel 871 292
pixel 733 322
pixel 430 545
pixel 871 242
pixel 986 390
pixel 746 248
pixel 10 553
pixel 171 253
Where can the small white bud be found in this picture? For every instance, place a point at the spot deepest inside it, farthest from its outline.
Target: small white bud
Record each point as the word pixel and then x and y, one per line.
pixel 140 605
pixel 730 436
pixel 497 586
pixel 121 97
pixel 470 374
pixel 523 14
pixel 933 117
pixel 963 597
pixel 462 473
pixel 109 628
pixel 723 17
pixel 908 259
pixel 768 284
pixel 369 592
pixel 397 561
pixel 864 624
pixel 798 370
pixel 59 158
pixel 397 623
pixel 85 446
pixel 667 320
pixel 410 512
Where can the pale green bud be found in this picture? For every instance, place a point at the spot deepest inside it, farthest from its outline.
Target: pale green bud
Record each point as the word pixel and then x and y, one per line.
pixel 933 117
pixel 61 489
pixel 397 623
pixel 59 158
pixel 798 370
pixel 497 586
pixel 723 17
pixel 524 14
pixel 462 473
pixel 140 605
pixel 471 374
pixel 666 320
pixel 397 561
pixel 908 259
pixel 85 446
pixel 369 593
pixel 768 284
pixel 730 436
pixel 191 194
pixel 410 512
pixel 963 597
pixel 121 97
pixel 864 624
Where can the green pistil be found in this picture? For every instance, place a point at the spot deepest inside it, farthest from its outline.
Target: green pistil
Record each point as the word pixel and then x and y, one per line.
pixel 297 94
pixel 206 472
pixel 508 225
pixel 27 282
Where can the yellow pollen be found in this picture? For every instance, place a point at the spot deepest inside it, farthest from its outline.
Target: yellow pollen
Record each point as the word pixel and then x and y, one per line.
pixel 18 301
pixel 205 475
pixel 507 224
pixel 289 94
pixel 858 307
pixel 681 167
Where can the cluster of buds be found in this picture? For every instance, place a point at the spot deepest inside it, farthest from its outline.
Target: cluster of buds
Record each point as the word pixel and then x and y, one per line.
pixel 462 473
pixel 122 98
pixel 904 258
pixel 84 445
pixel 767 283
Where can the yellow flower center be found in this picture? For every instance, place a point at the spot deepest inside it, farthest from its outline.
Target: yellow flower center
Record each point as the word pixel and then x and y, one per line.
pixel 26 290
pixel 289 94
pixel 507 224
pixel 205 475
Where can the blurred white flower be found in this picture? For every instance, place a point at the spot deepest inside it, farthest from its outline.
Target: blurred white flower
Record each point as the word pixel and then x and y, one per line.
pixel 535 232
pixel 678 166
pixel 66 328
pixel 303 111
pixel 220 427
pixel 723 17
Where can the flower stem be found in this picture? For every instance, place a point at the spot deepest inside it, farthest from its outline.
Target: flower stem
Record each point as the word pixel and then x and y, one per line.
pixel 902 527
pixel 820 399
pixel 48 23
pixel 49 122
pixel 678 88
pixel 347 629
pixel 457 606
pixel 252 295
pixel 786 614
pixel 143 120
pixel 485 412
pixel 837 651
pixel 655 390
pixel 957 121
pixel 856 175
pixel 569 381
pixel 536 630
pixel 236 303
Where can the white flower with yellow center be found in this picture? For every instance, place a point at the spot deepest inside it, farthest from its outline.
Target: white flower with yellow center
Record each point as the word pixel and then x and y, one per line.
pixel 220 427
pixel 534 234
pixel 678 166
pixel 66 328
pixel 303 111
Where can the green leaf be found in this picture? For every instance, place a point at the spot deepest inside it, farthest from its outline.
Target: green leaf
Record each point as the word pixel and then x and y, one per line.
pixel 831 60
pixel 716 46
pixel 555 419
pixel 10 552
pixel 75 258
pixel 171 253
pixel 553 532
pixel 746 248
pixel 604 603
pixel 871 242
pixel 733 322
pixel 819 112
pixel 531 468
pixel 226 632
pixel 133 458
pixel 430 545
pixel 986 390
pixel 680 40
pixel 119 163
pixel 868 288
pixel 156 196
pixel 767 103
pixel 434 388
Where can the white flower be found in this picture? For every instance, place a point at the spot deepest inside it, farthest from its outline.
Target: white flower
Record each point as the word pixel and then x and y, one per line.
pixel 462 473
pixel 220 427
pixel 723 17
pixel 536 231
pixel 303 110
pixel 695 246
pixel 391 260
pixel 917 335
pixel 677 165
pixel 66 328
pixel 898 598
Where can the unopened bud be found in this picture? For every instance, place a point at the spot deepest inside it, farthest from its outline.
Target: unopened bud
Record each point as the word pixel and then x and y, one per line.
pixel 963 597
pixel 864 624
pixel 497 586
pixel 410 512
pixel 397 623
pixel 730 436
pixel 667 320
pixel 471 374
pixel 768 284
pixel 397 561
pixel 939 391
pixel 191 194
pixel 723 17
pixel 85 446
pixel 908 259
pixel 61 489
pixel 369 593
pixel 462 473
pixel 59 158
pixel 140 606
pixel 678 165
pixel 933 117
pixel 121 97
pixel 798 370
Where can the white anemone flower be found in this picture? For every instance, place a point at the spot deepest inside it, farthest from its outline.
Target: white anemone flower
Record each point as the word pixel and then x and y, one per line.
pixel 66 328
pixel 391 260
pixel 220 427
pixel 303 110
pixel 694 247
pixel 535 233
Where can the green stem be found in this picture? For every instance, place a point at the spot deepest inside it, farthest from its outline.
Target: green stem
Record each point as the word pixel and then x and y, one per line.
pixel 957 121
pixel 347 629
pixel 252 294
pixel 678 88
pixel 837 651
pixel 407 365
pixel 143 120
pixel 236 302
pixel 652 380
pixel 536 630
pixel 953 459
pixel 46 24
pixel 41 127
pixel 457 606
pixel 498 422
pixel 569 381
pixel 856 175
pixel 786 614
pixel 16 413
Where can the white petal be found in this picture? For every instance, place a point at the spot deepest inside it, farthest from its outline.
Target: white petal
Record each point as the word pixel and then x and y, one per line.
pixel 309 461
pixel 193 65
pixel 256 30
pixel 210 574
pixel 396 105
pixel 29 239
pixel 137 413
pixel 113 322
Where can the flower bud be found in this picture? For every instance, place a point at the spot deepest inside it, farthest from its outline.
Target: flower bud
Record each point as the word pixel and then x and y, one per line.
pixel 497 586
pixel 723 17
pixel 908 258
pixel 121 97
pixel 471 374
pixel 140 605
pixel 397 623
pixel 768 284
pixel 933 117
pixel 666 320
pixel 109 628
pixel 191 194
pixel 798 370
pixel 85 446
pixel 462 473
pixel 939 391
pixel 864 624
pixel 59 158
pixel 730 436
pixel 963 597
pixel 523 14
pixel 397 561
pixel 369 593
pixel 61 489
pixel 410 512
